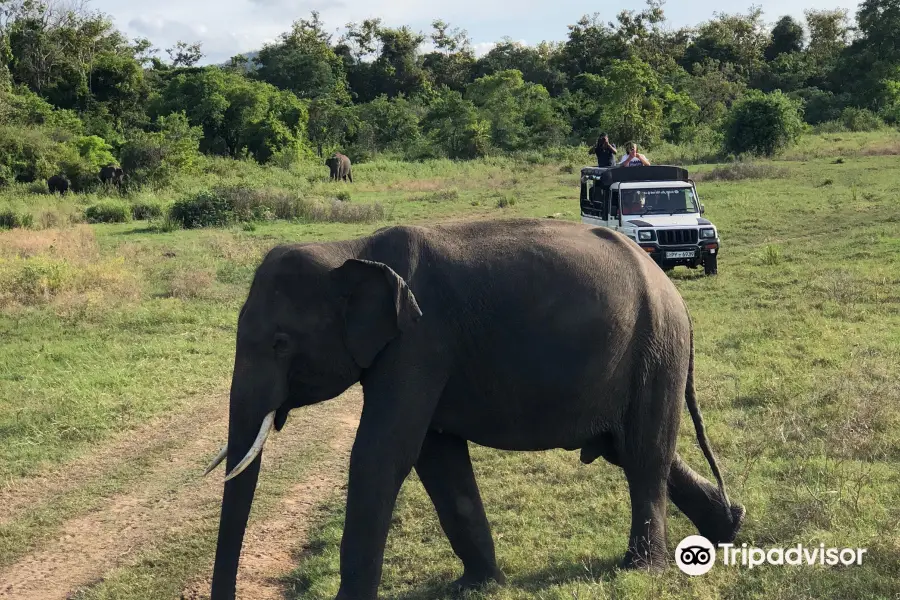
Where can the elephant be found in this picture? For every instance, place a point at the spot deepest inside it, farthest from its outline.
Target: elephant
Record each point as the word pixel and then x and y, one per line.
pixel 112 174
pixel 58 183
pixel 515 334
pixel 340 167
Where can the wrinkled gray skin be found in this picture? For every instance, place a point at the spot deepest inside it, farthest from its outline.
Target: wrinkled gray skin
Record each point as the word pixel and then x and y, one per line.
pixel 339 165
pixel 518 335
pixel 112 174
pixel 58 183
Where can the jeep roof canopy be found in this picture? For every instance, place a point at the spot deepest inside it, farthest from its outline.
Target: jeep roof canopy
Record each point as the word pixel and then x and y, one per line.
pixel 610 175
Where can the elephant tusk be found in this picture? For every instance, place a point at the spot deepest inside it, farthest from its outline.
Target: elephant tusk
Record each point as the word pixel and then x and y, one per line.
pixel 218 459
pixel 255 449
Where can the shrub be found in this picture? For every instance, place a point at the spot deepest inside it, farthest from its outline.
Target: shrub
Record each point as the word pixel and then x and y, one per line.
pixel 506 200
pixel 37 279
pixel 9 219
pixel 27 154
pixel 762 124
pixel 860 119
pixel 204 209
pixel 107 212
pixel 259 204
pixel 343 196
pixel 771 256
pixel 156 157
pixel 342 212
pixel 144 211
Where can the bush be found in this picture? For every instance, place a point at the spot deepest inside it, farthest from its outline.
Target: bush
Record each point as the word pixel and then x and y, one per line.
pixel 506 200
pixel 204 209
pixel 343 196
pixel 762 124
pixel 156 157
pixel 259 204
pixel 27 154
pixel 107 212
pixel 860 119
pixel 11 220
pixel 84 158
pixel 144 211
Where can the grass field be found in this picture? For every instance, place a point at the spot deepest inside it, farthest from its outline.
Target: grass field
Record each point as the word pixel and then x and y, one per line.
pixel 116 345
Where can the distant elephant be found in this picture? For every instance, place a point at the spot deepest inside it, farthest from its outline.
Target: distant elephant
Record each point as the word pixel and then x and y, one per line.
pixel 112 174
pixel 532 335
pixel 340 167
pixel 58 183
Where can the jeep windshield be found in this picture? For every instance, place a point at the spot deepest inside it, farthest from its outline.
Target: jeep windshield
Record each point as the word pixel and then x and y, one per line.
pixel 650 201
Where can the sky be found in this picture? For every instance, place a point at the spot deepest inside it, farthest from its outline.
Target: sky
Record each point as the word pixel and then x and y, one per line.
pixel 229 27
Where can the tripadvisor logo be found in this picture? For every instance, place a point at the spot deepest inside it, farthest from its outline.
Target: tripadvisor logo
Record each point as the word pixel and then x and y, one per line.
pixel 696 555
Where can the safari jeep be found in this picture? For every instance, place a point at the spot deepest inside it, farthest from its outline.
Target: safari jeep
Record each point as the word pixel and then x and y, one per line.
pixel 657 207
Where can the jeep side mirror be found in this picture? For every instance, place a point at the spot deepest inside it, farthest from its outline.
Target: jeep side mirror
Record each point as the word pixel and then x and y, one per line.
pixel 702 209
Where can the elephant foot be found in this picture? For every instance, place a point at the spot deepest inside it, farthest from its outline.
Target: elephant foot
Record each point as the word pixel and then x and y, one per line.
pixel 725 530
pixel 645 557
pixel 471 581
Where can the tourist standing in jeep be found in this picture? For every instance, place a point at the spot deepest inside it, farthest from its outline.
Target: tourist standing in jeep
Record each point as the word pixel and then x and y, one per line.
pixel 606 152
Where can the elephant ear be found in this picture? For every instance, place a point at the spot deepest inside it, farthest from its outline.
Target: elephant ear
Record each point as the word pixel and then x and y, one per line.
pixel 378 307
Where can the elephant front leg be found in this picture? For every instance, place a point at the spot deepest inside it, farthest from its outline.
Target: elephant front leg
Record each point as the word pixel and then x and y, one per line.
pixel 445 469
pixel 377 470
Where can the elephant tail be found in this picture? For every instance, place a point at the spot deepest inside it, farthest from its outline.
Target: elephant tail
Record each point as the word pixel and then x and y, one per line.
pixel 691 399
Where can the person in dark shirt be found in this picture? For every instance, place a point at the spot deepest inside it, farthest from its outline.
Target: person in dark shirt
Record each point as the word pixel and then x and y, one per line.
pixel 606 152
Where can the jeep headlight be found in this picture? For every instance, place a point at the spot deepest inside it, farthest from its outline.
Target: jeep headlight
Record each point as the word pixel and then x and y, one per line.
pixel 646 235
pixel 707 233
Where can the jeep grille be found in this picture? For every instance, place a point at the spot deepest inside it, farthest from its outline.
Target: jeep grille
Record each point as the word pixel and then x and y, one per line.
pixel 675 237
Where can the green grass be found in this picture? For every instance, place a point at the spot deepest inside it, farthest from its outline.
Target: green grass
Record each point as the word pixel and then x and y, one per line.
pixel 796 342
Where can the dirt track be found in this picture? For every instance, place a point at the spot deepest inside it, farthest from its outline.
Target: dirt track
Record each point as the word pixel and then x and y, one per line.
pixel 171 496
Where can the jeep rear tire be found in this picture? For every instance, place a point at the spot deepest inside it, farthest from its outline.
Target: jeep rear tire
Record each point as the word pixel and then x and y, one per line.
pixel 710 264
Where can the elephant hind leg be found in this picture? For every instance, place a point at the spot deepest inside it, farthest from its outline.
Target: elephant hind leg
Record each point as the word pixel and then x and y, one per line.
pixel 702 503
pixel 645 452
pixel 445 469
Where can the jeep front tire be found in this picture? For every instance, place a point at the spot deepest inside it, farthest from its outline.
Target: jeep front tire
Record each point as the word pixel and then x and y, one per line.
pixel 710 264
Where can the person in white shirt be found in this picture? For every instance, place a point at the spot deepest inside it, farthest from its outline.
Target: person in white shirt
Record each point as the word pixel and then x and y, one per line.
pixel 632 157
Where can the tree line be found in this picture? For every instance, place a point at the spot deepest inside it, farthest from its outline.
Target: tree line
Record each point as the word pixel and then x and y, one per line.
pixel 76 93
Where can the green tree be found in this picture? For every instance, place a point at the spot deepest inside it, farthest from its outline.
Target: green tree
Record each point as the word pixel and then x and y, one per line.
pixel 521 114
pixel 183 54
pixel 235 113
pixel 453 127
pixel 762 124
pixel 155 157
pixel 735 39
pixel 787 37
pixel 590 47
pixel 387 124
pixel 536 63
pixel 302 61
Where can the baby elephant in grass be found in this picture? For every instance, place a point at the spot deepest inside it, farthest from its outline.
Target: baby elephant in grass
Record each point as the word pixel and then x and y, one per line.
pixel 339 165
pixel 58 184
pixel 513 334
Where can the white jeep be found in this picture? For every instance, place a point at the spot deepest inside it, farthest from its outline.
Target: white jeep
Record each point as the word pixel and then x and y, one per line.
pixel 656 206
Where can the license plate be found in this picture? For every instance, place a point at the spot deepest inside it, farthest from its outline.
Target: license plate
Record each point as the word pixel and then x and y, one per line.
pixel 686 254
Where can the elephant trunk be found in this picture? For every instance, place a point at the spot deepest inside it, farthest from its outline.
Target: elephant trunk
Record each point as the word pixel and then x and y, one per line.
pixel 246 432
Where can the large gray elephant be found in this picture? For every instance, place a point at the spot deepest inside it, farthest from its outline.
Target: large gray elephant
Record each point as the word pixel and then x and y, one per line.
pixel 339 165
pixel 112 174
pixel 514 334
pixel 58 183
